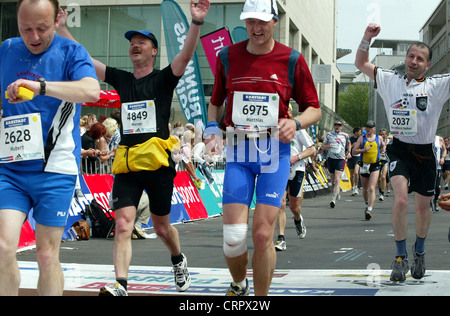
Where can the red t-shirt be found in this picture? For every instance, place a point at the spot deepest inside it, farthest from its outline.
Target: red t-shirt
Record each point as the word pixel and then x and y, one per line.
pixel 282 71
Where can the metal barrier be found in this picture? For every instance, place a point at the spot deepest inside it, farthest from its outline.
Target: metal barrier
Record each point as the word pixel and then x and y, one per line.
pixel 89 165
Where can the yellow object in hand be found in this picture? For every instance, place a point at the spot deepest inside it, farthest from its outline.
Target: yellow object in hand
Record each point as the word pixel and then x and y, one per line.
pixel 23 93
pixel 198 184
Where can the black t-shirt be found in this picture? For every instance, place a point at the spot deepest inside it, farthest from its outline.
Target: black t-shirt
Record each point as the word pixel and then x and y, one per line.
pixel 87 142
pixel 353 140
pixel 157 86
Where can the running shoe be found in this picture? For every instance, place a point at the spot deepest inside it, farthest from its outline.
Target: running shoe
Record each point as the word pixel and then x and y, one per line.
pixel 113 290
pixel 181 275
pixel 367 214
pixel 399 269
pixel 381 198
pixel 418 264
pixel 300 227
pixel 237 290
pixel 332 203
pixel 280 245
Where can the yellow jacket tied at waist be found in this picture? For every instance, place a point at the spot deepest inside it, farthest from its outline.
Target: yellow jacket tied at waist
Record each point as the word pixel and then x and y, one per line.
pixel 149 156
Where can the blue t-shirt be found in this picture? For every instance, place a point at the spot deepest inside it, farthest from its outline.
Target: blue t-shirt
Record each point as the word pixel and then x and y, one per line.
pixel 64 60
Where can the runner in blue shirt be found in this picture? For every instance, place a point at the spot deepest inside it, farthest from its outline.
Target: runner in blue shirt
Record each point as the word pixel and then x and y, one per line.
pixel 40 140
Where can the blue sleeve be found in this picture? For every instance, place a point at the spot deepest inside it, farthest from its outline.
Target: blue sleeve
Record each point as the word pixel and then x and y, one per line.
pixel 80 65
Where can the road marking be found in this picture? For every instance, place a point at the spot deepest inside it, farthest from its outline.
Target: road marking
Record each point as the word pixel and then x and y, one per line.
pixel 208 281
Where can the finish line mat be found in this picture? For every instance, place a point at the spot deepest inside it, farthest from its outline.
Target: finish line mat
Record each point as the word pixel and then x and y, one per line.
pixel 214 282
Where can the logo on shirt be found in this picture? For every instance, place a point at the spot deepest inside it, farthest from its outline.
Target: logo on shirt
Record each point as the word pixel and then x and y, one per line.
pixel 422 103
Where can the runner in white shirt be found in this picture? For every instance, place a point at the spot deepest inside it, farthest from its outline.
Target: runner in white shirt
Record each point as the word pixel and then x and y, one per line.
pixel 337 144
pixel 413 105
pixel 302 147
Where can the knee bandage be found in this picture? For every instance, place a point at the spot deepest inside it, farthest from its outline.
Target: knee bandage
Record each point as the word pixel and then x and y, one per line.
pixel 234 239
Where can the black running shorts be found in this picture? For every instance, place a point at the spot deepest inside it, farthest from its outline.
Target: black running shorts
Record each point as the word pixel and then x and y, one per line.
pixel 295 185
pixel 416 163
pixel 128 188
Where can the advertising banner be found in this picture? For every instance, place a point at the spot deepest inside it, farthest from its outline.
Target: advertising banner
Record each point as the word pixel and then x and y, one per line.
pixel 192 201
pixel 213 43
pixel 100 186
pixel 211 194
pixel 189 91
pixel 188 203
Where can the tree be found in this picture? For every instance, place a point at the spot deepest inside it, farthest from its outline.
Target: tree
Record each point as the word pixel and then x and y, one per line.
pixel 354 104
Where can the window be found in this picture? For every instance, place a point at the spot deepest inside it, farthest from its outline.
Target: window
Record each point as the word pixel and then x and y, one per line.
pixel 8 20
pixel 108 44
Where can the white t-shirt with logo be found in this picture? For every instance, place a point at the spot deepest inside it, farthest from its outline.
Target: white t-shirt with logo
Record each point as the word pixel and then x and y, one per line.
pixel 413 109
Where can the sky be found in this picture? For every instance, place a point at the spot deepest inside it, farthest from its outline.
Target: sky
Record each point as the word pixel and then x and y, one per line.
pixel 398 20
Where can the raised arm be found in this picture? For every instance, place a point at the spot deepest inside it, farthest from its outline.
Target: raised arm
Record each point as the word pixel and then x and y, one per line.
pixel 198 14
pixel 100 68
pixel 362 55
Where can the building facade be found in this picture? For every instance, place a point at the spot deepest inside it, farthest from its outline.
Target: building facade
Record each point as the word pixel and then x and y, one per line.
pixel 436 33
pixel 100 25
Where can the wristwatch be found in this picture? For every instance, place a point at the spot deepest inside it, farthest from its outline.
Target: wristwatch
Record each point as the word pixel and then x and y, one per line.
pixel 196 22
pixel 299 126
pixel 43 86
pixel 299 156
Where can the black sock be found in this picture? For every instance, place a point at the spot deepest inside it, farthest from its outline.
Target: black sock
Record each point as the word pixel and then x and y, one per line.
pixel 123 282
pixel 176 259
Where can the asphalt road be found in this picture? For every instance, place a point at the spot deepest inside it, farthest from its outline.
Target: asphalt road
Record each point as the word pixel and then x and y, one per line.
pixel 338 238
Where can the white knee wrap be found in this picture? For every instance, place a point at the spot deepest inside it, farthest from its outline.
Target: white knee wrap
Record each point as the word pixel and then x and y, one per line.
pixel 234 239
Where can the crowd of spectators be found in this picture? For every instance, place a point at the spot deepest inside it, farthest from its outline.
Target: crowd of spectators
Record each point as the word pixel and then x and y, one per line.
pixel 99 140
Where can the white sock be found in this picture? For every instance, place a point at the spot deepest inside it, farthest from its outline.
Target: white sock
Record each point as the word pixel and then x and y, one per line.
pixel 242 284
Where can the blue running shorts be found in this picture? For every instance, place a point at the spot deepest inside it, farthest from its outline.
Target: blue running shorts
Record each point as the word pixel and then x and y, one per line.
pixel 49 194
pixel 249 162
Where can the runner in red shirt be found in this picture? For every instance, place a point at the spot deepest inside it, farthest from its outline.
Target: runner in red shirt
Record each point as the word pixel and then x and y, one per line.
pixel 257 78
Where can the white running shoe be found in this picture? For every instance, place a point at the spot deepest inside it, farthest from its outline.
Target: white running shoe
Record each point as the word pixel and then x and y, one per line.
pixel 182 276
pixel 113 289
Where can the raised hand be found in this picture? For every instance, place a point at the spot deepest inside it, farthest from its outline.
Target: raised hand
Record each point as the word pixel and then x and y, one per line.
pixel 199 10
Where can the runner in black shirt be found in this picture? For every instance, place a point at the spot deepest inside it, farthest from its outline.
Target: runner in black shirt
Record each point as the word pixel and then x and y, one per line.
pixel 146 90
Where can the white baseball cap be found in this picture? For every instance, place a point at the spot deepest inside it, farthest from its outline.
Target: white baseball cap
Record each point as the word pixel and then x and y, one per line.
pixel 264 10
